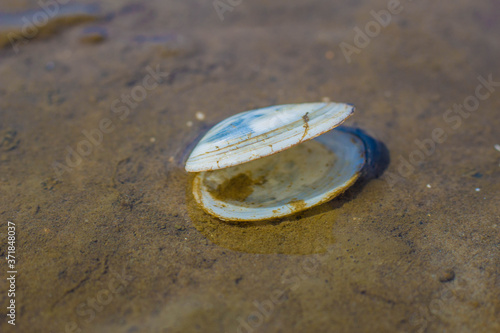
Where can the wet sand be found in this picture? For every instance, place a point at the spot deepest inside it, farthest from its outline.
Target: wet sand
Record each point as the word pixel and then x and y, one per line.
pixel 100 107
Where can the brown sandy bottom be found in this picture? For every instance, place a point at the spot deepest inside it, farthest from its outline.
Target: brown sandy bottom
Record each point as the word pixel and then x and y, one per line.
pixel 100 105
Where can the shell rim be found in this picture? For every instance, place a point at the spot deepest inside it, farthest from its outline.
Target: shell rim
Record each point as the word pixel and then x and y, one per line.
pixel 353 108
pixel 331 195
pixel 196 189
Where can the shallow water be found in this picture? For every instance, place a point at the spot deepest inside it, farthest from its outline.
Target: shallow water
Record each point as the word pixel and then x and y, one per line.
pixel 99 109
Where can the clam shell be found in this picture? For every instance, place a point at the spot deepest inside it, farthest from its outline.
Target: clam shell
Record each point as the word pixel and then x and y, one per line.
pixel 254 134
pixel 283 184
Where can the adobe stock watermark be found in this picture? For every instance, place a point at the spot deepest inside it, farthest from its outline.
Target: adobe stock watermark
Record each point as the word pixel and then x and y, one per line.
pixel 265 308
pixel 454 117
pixel 373 28
pixel 121 108
pixel 88 310
pixel 222 6
pixel 33 23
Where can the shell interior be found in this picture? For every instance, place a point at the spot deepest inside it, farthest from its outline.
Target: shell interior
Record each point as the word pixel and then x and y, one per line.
pixel 285 183
pixel 254 134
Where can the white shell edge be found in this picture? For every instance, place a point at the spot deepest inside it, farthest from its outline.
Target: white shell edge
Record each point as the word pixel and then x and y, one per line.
pixel 205 158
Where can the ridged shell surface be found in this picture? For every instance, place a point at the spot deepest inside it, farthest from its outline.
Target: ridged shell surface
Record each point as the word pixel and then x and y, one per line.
pixel 257 133
pixel 283 184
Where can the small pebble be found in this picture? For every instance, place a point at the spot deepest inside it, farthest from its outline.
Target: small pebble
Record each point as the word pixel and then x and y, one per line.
pixel 329 55
pixel 429 186
pixel 152 140
pixel 200 115
pixel 325 99
pixel 447 276
pixel 497 147
pixel 50 66
pixel 478 189
pixel 189 123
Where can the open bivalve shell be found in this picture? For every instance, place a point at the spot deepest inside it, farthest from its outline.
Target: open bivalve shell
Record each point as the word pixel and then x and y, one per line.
pixel 251 166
